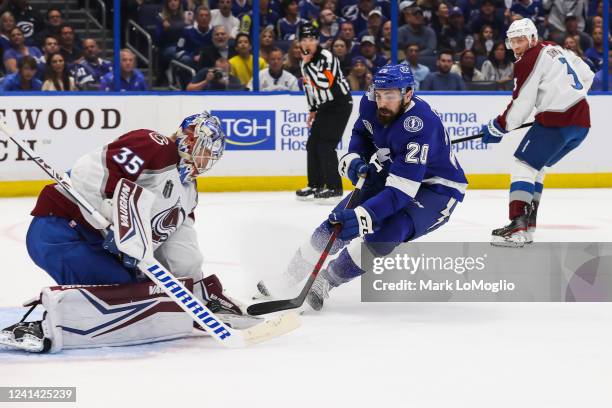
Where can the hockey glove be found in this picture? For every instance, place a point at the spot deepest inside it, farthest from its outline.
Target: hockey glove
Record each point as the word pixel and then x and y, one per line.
pixel 352 166
pixel 354 223
pixel 111 246
pixel 492 132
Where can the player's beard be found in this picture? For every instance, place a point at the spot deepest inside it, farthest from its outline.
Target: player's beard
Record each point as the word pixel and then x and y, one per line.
pixel 385 116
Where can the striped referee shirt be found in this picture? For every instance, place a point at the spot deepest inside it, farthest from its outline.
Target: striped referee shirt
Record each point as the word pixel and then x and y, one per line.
pixel 323 80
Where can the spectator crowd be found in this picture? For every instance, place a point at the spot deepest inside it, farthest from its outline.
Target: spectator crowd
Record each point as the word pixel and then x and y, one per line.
pixel 201 45
pixel 42 51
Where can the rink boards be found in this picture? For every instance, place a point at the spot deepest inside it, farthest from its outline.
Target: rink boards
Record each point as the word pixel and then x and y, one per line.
pixel 266 136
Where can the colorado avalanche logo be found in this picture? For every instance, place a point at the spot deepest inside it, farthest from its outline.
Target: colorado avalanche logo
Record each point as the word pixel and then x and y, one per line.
pixel 159 139
pixel 368 126
pixel 166 222
pixel 413 124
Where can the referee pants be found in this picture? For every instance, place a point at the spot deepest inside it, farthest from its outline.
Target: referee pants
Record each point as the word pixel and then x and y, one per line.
pixel 325 134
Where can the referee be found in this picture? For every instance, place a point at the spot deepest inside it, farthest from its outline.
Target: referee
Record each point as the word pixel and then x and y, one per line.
pixel 330 103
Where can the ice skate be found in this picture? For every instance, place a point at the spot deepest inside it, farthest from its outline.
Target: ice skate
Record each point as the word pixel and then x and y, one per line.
pixel 328 196
pixel 319 292
pixel 262 292
pixel 27 336
pixel 531 227
pixel 513 235
pixel 306 193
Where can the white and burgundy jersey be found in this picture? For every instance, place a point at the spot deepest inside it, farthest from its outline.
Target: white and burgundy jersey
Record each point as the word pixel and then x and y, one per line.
pixel 142 156
pixel 555 82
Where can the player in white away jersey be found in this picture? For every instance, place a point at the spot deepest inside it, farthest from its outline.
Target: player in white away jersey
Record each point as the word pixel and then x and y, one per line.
pixel 122 307
pixel 555 82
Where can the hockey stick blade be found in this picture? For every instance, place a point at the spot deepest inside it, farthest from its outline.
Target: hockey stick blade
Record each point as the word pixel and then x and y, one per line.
pixel 478 136
pixel 280 305
pixel 173 288
pixel 286 304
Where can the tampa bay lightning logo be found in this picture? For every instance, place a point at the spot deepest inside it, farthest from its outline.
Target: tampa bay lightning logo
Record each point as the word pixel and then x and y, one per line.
pixel 350 12
pixel 26 27
pixel 404 68
pixel 368 126
pixel 413 124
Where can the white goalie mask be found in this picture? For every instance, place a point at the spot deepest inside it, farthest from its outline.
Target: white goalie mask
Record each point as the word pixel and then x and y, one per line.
pixel 200 142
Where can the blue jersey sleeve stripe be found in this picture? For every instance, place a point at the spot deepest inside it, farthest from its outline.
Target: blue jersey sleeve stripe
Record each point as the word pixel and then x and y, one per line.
pixel 405 185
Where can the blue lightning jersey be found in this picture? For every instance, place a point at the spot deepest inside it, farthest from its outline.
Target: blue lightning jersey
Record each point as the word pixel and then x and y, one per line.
pixel 414 151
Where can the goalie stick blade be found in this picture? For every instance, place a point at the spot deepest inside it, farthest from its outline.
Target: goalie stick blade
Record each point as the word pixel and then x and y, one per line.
pixel 271 328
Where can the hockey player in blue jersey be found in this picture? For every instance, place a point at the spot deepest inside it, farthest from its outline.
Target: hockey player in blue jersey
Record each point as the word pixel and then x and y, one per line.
pixel 413 184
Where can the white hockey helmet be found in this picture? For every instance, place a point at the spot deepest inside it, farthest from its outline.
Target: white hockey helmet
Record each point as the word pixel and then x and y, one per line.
pixel 521 28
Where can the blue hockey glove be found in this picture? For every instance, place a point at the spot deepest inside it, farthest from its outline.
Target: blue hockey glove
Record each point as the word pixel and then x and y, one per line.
pixel 492 132
pixel 111 246
pixel 352 166
pixel 355 223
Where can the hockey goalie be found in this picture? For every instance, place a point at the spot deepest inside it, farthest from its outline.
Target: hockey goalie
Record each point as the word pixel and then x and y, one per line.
pixel 146 183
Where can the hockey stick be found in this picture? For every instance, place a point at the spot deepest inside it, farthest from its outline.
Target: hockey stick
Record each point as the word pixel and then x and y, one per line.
pixel 175 290
pixel 278 305
pixel 285 304
pixel 478 136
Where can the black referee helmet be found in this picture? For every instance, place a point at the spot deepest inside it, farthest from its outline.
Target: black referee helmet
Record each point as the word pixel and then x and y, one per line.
pixel 308 30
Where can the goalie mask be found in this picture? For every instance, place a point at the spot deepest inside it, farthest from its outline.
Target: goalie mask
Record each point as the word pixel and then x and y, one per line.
pixel 200 143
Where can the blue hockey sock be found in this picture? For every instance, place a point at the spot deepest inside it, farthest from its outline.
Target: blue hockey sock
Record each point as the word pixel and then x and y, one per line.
pixel 343 268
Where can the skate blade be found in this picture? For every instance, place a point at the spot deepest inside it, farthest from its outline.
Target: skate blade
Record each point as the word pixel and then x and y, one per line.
pixel 260 297
pixel 328 201
pixel 307 198
pixel 27 343
pixel 262 292
pixel 513 242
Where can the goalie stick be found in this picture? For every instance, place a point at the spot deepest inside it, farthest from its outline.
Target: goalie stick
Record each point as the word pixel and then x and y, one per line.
pixel 286 304
pixel 157 273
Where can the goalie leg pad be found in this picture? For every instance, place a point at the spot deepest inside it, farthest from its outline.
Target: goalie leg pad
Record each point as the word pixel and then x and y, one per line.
pixel 111 315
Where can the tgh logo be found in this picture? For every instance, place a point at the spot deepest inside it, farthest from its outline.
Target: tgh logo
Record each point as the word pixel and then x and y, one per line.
pixel 248 130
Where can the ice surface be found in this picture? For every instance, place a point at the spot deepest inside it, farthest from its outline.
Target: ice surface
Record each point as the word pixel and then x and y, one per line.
pixel 352 354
